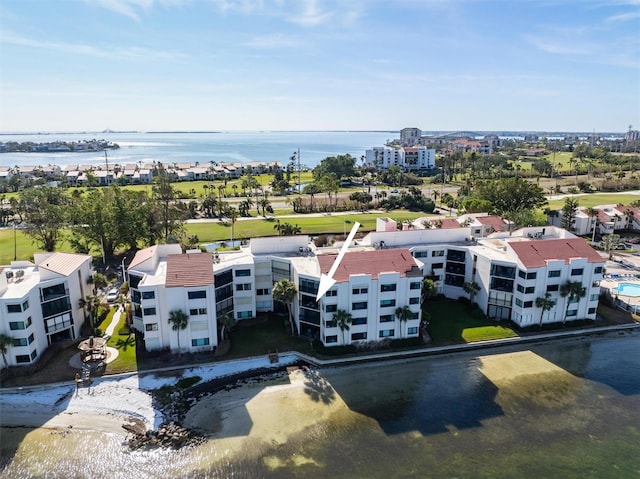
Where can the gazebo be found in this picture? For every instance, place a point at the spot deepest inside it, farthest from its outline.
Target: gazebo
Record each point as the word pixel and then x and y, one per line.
pixel 93 349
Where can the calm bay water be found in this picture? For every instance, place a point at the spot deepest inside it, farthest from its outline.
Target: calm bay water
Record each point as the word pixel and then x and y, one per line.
pixel 564 409
pixel 202 147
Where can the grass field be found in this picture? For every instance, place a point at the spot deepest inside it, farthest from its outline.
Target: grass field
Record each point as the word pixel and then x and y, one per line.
pixel 596 199
pixel 453 323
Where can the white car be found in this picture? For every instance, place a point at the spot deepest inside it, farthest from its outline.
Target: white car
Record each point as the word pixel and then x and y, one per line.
pixel 112 295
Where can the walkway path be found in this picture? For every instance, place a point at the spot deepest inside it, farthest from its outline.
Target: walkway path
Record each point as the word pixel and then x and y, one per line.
pixel 112 353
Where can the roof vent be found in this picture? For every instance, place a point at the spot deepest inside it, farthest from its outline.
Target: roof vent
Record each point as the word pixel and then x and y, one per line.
pixel 9 275
pixel 19 274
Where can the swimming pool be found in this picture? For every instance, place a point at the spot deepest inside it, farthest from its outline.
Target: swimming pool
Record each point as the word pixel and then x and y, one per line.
pixel 628 289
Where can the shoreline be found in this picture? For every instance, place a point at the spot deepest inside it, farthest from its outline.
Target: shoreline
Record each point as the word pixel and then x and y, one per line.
pixel 111 401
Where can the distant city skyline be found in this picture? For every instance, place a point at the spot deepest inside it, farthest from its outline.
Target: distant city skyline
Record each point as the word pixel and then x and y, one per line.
pixel 225 65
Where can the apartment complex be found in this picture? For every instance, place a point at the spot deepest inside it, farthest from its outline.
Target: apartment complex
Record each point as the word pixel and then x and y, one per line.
pixel 601 220
pixel 414 158
pixel 40 303
pixel 379 275
pixel 378 282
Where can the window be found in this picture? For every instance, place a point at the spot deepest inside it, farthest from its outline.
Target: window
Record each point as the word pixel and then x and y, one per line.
pixel 415 300
pixel 437 253
pixel 148 311
pixel 518 302
pixel 330 324
pixel 16 325
pixel 359 305
pixel 411 331
pixel 200 342
pixel 386 333
pixel 385 303
pixel 386 318
pixel 597 270
pixel 331 339
pixel 594 297
pixel 197 294
pixel 528 304
pixel 577 272
pixel 331 308
pixel 437 265
pixel 415 315
pixel 332 292
pixel 25 305
pixel 554 273
pixel 529 290
pixel 148 295
pixel 420 254
pixel 572 312
pixel 243 287
pixel 23 358
pixel 358 321
pixel 520 288
pixel 151 327
pixel 31 338
pixel 591 310
pixel 14 308
pixel 244 314
pixel 243 272
pixel 359 290
pixel 358 336
pixel 17 342
pixel 532 275
pixel 552 287
pixel 34 354
pixel 387 287
pixel 415 285
pixel 522 274
pixel 262 292
pixel 197 311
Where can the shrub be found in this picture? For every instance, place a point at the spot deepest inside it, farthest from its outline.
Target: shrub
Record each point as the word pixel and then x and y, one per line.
pixel 97 332
pixel 124 331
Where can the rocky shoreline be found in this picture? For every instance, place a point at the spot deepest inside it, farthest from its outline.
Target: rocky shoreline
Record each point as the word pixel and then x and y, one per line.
pixel 172 433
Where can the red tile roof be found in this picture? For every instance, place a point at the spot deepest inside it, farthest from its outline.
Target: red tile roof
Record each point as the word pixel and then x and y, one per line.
pixel 192 269
pixel 447 223
pixel 534 254
pixel 495 222
pixel 368 262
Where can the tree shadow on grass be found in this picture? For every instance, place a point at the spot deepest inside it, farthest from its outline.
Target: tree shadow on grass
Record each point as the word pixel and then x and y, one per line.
pixel 129 342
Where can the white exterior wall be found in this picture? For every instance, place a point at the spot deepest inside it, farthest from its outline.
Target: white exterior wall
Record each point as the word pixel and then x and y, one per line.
pixel 178 298
pixel 244 300
pixel 349 293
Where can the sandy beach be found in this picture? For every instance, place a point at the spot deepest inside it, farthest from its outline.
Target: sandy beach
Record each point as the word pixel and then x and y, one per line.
pixel 110 401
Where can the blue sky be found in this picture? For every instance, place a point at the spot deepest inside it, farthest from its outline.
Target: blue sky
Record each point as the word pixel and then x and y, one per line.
pixel 76 65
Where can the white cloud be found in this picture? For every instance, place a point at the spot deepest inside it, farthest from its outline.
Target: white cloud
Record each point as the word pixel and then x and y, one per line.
pixel 311 14
pixel 623 17
pixel 81 49
pixel 275 40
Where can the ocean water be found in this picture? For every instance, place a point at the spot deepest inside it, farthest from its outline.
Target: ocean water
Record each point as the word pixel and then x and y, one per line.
pixel 243 147
pixel 562 409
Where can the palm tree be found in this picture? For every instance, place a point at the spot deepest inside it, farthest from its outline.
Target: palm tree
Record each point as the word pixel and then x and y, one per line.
pixel 342 319
pixel 285 291
pixel 90 304
pixel 571 290
pixel 609 243
pixel 99 281
pixel 593 213
pixel 5 342
pixel 471 288
pixel 233 214
pixel 546 304
pixel 403 314
pixel 226 322
pixel 179 321
pixel 429 288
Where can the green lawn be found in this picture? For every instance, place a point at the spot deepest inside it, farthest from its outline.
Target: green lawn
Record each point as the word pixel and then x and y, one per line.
pixel 595 199
pixel 452 323
pixel 124 343
pixel 266 334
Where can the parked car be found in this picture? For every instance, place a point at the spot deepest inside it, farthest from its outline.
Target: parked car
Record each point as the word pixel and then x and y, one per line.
pixel 112 295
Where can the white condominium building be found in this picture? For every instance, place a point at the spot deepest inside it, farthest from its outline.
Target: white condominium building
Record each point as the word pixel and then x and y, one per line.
pixel 414 158
pixel 40 303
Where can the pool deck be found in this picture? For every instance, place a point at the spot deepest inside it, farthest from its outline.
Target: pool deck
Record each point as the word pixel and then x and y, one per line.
pixel 624 268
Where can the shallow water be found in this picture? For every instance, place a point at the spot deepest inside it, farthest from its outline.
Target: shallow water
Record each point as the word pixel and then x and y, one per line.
pixel 562 409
